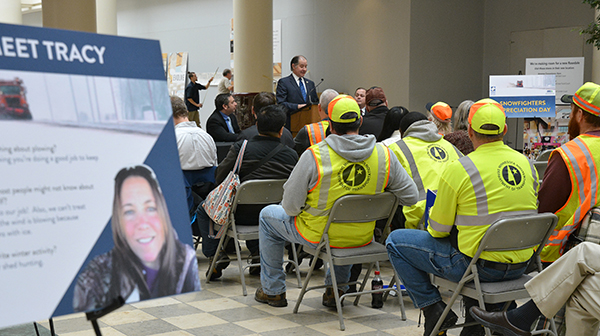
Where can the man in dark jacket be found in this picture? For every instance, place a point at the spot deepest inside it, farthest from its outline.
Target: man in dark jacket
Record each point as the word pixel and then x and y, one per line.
pixel 259 101
pixel 377 109
pixel 222 124
pixel 270 121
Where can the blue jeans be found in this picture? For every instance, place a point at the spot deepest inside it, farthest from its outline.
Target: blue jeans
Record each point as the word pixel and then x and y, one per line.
pixel 275 229
pixel 415 253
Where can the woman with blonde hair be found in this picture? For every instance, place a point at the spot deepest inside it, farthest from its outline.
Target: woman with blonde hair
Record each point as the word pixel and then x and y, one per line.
pixel 441 115
pixel 148 260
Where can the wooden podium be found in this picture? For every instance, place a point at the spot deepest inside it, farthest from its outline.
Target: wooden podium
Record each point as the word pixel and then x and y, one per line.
pixel 303 117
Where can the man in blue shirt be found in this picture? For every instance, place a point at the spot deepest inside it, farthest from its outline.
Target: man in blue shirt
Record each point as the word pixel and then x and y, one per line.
pixel 222 124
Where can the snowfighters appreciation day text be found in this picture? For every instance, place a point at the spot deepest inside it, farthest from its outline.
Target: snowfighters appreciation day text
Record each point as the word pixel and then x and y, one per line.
pixel 51 50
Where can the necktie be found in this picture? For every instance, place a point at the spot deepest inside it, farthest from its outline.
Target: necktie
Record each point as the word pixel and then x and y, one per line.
pixel 228 121
pixel 302 89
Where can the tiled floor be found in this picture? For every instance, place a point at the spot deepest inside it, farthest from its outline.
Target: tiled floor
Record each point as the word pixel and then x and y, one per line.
pixel 221 309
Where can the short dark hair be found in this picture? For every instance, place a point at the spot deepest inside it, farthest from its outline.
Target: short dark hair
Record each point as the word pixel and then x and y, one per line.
pixel 179 109
pixel 391 122
pixel 270 119
pixel 344 128
pixel 409 119
pixel 263 99
pixel 295 61
pixel 221 99
pixel 226 72
pixel 360 88
pixel 489 137
pixel 591 119
pixel 190 74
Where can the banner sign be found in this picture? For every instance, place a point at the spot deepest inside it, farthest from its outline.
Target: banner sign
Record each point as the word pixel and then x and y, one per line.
pixel 92 202
pixel 525 96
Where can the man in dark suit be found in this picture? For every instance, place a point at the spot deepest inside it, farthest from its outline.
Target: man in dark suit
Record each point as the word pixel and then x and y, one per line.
pixel 222 124
pixel 294 91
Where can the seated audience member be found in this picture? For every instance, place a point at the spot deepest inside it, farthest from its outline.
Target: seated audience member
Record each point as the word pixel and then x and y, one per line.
pixel 390 132
pixel 441 115
pixel 270 122
pixel 460 136
pixel 572 279
pixel 226 85
pixel 376 112
pixel 424 155
pixel 316 132
pixel 147 260
pixel 197 150
pixel 315 183
pixel 222 124
pixel 258 102
pixel 491 183
pixel 359 95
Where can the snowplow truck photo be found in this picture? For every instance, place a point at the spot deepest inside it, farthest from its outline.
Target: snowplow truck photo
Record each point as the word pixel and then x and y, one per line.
pixel 13 104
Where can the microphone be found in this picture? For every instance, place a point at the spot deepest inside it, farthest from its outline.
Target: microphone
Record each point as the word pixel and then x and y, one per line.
pixel 310 102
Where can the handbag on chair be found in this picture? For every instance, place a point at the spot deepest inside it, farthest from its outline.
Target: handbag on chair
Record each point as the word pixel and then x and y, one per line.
pixel 218 202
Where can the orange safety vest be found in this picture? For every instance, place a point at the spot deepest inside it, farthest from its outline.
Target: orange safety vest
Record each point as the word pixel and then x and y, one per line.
pixel 317 131
pixel 579 158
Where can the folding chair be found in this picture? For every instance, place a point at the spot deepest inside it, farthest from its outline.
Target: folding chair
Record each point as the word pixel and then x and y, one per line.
pixel 509 234
pixel 352 209
pixel 263 192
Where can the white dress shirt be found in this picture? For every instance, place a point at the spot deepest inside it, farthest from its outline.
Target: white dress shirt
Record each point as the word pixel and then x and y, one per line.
pixel 197 149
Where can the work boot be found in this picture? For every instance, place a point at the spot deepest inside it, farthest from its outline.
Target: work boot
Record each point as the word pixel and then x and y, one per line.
pixel 432 315
pixel 474 330
pixel 329 298
pixel 272 300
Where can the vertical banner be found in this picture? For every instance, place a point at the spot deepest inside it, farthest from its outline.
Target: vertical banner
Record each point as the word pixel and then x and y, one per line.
pixel 177 67
pixel 92 202
pixel 525 96
pixel 276 50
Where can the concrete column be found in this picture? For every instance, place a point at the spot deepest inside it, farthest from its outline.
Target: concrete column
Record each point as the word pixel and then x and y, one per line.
pixel 10 11
pixel 70 14
pixel 106 17
pixel 253 45
pixel 596 60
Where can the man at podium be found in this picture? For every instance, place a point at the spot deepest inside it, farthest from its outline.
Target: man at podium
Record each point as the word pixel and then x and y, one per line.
pixel 294 91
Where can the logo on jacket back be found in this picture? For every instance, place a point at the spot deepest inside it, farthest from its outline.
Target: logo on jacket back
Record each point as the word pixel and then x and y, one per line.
pixel 511 175
pixel 354 175
pixel 437 153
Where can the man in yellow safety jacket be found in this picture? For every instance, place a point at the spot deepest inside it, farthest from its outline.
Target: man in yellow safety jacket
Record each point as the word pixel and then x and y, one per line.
pixel 424 154
pixel 344 163
pixel 570 185
pixel 474 191
pixel 314 133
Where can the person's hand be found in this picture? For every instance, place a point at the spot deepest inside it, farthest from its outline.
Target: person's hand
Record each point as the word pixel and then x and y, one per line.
pixel 301 106
pixel 200 105
pixel 211 79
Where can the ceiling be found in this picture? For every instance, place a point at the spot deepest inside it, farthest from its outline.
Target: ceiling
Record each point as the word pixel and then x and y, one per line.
pixel 29 6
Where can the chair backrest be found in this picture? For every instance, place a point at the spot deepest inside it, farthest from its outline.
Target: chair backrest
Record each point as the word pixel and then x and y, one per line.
pixel 258 192
pixel 544 156
pixel 517 233
pixel 363 208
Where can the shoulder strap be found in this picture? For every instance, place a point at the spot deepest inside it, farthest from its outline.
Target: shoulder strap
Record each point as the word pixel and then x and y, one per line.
pixel 266 158
pixel 240 157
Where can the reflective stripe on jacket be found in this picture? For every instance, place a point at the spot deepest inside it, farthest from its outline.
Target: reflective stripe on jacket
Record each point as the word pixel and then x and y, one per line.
pixel 317 131
pixel 339 177
pixel 424 161
pixel 577 155
pixel 491 183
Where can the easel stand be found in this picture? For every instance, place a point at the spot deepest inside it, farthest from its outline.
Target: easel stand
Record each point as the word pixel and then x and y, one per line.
pixel 94 315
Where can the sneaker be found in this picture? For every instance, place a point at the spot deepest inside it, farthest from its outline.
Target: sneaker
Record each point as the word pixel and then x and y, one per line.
pixel 218 271
pixel 272 300
pixel 432 315
pixel 329 298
